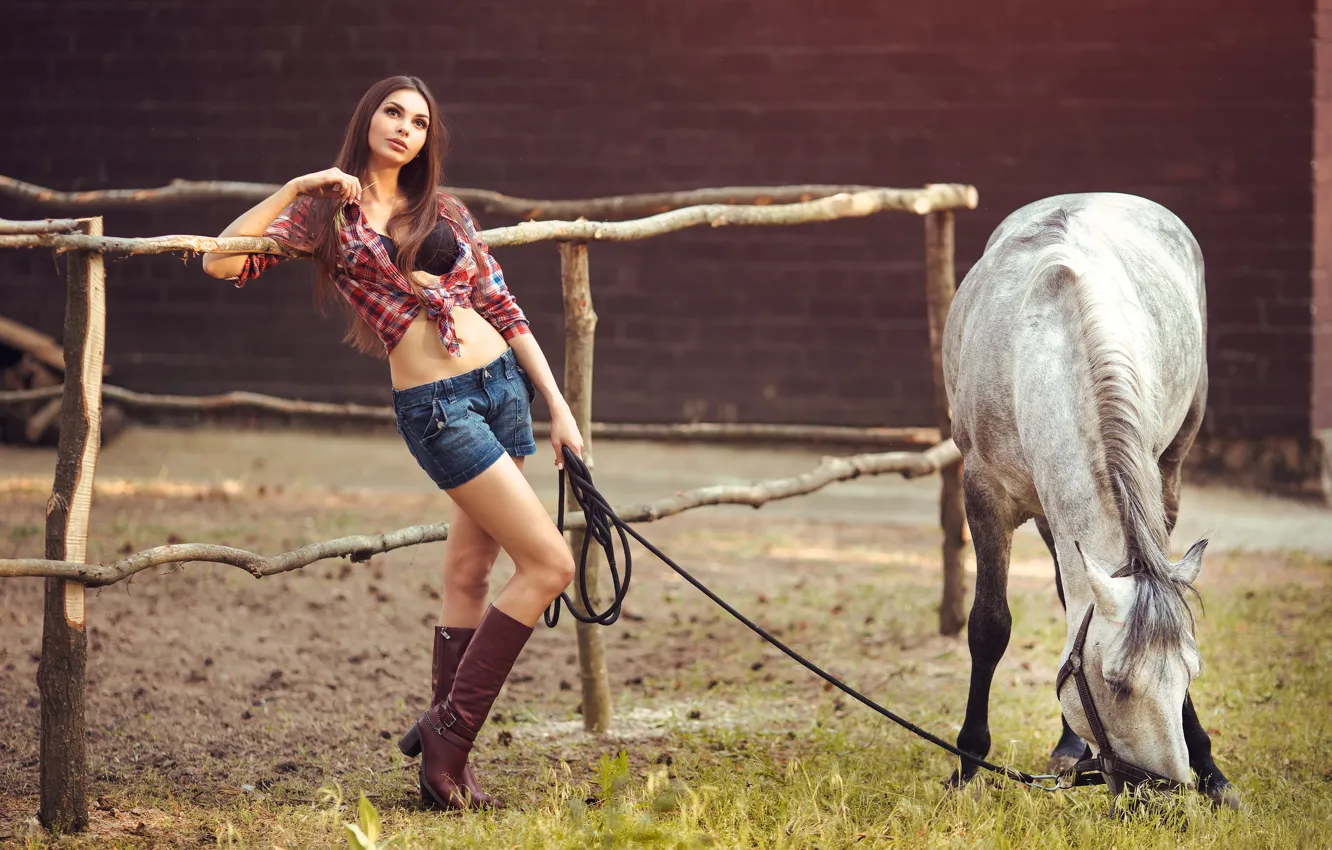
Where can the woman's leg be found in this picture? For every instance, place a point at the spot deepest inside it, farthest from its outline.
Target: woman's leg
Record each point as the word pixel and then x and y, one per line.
pixel 501 504
pixel 469 557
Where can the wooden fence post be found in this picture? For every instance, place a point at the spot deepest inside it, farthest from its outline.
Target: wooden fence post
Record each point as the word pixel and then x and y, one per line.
pixel 61 673
pixel 940 285
pixel 580 324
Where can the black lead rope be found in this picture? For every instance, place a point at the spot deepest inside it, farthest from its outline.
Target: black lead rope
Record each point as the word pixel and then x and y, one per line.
pixel 600 519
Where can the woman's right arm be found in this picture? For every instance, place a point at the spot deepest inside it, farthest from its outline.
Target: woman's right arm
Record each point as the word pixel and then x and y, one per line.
pixel 331 183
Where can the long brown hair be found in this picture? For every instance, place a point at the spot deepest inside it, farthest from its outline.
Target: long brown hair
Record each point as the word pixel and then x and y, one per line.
pixel 419 182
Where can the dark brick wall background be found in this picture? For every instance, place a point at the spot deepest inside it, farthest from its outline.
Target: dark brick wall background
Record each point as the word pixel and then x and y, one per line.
pixel 1205 107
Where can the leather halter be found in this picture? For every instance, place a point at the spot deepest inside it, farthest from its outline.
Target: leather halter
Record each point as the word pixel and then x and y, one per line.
pixel 1105 761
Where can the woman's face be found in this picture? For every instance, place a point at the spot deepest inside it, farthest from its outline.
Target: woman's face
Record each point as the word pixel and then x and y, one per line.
pixel 399 127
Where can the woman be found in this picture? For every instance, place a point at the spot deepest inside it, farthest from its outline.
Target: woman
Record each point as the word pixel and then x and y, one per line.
pixel 421 289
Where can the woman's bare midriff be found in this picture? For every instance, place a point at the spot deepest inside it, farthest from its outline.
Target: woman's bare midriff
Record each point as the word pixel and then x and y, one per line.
pixel 420 357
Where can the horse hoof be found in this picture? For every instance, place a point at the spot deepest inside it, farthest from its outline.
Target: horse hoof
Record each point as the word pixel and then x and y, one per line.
pixel 1060 762
pixel 1224 796
pixel 956 780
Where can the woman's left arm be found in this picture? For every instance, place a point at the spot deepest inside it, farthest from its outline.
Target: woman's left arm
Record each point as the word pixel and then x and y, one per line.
pixel 563 428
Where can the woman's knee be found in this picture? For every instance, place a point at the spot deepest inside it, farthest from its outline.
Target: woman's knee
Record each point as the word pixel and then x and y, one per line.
pixel 553 569
pixel 470 570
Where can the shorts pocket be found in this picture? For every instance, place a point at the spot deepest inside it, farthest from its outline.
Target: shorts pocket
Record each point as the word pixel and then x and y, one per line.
pixel 431 421
pixel 527 384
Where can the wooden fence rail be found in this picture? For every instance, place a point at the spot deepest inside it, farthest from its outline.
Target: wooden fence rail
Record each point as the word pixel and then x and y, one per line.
pixel 361 547
pixel 715 432
pixel 479 200
pixel 927 201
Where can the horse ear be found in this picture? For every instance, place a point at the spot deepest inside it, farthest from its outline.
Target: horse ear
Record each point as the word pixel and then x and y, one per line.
pixel 1190 565
pixel 1098 578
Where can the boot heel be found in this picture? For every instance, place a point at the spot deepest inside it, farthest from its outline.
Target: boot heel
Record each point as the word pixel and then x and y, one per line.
pixel 410 742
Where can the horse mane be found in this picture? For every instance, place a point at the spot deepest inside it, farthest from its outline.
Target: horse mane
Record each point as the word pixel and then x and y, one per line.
pixel 1160 619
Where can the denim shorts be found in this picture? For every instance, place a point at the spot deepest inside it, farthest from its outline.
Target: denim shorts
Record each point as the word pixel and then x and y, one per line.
pixel 458 427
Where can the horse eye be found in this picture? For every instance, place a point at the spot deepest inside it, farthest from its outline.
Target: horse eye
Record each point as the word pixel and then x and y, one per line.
pixel 1120 688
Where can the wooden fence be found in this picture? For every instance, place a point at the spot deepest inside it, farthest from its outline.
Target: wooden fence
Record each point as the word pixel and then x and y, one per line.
pixel 61 674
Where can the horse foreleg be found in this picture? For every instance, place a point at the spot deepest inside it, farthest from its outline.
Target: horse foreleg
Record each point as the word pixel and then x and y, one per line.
pixel 1211 781
pixel 990 623
pixel 1071 749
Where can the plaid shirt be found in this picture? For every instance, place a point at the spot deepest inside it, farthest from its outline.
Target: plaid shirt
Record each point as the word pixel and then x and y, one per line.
pixel 382 294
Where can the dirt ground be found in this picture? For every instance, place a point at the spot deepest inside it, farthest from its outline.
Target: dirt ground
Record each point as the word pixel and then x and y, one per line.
pixel 206 684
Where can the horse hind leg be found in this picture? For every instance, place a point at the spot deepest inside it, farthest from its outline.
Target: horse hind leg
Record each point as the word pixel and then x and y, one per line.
pixel 1071 749
pixel 1171 462
pixel 991 517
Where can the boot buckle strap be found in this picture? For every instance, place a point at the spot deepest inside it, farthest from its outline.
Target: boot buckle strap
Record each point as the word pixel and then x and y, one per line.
pixel 435 717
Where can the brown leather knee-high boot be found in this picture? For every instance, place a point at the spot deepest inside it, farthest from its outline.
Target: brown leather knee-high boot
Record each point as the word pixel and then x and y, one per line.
pixel 448 729
pixel 450 646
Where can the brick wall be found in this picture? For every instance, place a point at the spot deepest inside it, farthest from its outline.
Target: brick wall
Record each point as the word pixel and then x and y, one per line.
pixel 1204 107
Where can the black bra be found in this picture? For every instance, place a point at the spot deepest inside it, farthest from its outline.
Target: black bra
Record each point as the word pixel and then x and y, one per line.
pixel 438 254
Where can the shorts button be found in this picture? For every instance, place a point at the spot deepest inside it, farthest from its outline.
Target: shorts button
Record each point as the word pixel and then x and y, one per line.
pixel 439 425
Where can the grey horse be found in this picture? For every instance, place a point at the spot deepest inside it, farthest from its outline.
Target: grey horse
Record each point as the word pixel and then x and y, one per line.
pixel 1075 363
